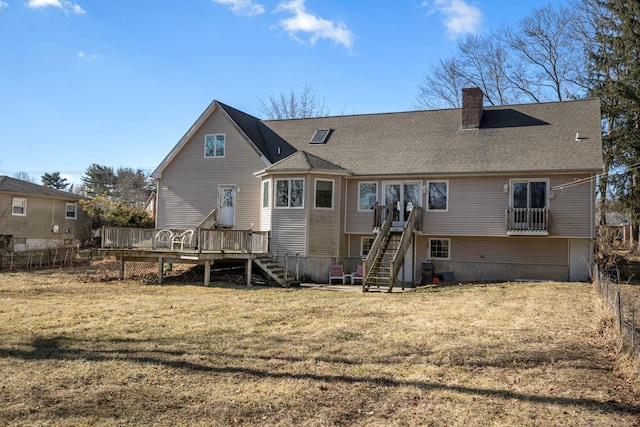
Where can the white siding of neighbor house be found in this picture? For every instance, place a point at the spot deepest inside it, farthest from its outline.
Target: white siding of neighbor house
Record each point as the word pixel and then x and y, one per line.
pixel 477 205
pixel 188 189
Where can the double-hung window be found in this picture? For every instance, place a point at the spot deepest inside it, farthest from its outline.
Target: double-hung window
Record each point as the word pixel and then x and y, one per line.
pixel 289 193
pixel 365 245
pixel 438 195
pixel 324 193
pixel 214 145
pixel 71 211
pixel 439 248
pixel 367 195
pixel 19 206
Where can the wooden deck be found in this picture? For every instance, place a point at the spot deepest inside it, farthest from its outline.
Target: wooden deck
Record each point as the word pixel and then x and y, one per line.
pixel 194 246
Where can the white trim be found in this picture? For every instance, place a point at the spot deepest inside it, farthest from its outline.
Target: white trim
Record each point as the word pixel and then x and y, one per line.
pixel 269 197
pixel 436 181
pixel 315 195
pixel 22 205
pixel 377 195
pixel 75 211
pixel 448 257
pixel 275 193
pixel 528 181
pixel 362 239
pixel 214 136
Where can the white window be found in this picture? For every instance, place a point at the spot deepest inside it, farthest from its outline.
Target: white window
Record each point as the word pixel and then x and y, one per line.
pixel 324 193
pixel 19 206
pixel 439 248
pixel 71 211
pixel 438 195
pixel 214 145
pixel 529 194
pixel 265 194
pixel 289 193
pixel 365 245
pixel 367 195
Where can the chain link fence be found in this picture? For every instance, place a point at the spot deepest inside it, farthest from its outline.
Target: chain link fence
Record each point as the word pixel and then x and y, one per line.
pixel 622 309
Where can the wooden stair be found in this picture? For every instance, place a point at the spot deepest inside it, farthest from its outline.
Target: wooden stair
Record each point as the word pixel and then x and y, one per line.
pixel 379 277
pixel 275 271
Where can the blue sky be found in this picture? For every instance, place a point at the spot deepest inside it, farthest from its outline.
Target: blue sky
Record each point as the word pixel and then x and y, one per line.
pixel 119 82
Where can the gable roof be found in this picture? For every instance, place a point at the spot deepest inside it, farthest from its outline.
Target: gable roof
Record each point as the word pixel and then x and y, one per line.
pixel 20 187
pixel 262 139
pixel 516 138
pixel 526 138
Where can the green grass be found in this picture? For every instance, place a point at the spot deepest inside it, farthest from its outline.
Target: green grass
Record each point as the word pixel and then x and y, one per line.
pixel 127 353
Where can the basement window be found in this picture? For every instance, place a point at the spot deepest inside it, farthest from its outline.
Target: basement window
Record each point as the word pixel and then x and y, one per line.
pixel 321 136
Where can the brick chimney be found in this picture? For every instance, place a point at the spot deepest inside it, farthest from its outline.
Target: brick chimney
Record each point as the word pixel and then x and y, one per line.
pixel 471 107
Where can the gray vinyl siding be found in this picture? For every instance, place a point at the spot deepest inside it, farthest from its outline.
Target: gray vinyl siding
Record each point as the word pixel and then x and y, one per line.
pixel 324 224
pixel 477 205
pixel 570 212
pixel 289 225
pixel 188 189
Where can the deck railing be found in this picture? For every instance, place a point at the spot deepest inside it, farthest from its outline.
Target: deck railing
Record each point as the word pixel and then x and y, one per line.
pixel 241 241
pixel 527 221
pixel 407 237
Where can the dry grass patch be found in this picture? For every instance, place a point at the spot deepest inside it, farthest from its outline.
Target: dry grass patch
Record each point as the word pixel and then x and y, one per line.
pixel 125 353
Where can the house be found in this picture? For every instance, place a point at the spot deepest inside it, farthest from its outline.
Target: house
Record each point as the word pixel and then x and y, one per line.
pixel 36 217
pixel 478 193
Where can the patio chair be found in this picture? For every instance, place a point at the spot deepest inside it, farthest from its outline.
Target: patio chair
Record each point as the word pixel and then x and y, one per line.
pixel 336 272
pixel 164 238
pixel 182 240
pixel 357 276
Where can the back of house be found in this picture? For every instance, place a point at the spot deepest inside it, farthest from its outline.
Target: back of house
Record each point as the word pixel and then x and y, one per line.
pixel 478 193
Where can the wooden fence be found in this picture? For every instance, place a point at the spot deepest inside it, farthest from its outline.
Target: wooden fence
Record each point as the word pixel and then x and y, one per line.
pixel 623 311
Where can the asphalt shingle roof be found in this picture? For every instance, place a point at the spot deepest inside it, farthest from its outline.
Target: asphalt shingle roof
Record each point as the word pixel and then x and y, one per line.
pixel 18 186
pixel 522 138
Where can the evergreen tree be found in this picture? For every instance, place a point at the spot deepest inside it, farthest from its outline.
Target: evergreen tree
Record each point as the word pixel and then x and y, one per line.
pixel 54 180
pixel 615 73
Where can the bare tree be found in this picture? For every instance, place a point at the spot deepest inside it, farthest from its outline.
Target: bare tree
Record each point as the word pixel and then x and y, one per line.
pixel 548 45
pixel 23 176
pixel 294 105
pixel 541 59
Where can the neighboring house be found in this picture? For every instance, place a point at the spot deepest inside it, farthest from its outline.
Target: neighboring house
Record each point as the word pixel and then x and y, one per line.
pixel 150 204
pixel 36 217
pixel 493 193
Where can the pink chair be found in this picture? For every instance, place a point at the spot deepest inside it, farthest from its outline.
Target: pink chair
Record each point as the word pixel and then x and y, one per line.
pixel 357 276
pixel 336 271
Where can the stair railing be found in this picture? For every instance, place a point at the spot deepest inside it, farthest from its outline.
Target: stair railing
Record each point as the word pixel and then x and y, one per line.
pixel 374 252
pixel 405 241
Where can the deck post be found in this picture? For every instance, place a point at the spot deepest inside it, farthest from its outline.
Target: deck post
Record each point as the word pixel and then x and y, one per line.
pixel 249 262
pixel 121 268
pixel 160 270
pixel 207 272
pixel 297 266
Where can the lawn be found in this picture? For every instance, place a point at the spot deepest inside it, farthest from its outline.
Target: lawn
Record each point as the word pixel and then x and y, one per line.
pixel 128 353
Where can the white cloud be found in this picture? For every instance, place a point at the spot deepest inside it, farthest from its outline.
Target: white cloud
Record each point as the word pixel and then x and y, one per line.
pixel 316 27
pixel 67 6
pixel 243 7
pixel 3 5
pixel 459 17
pixel 88 57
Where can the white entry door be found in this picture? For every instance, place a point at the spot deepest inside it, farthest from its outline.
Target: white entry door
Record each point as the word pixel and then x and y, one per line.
pixel 226 204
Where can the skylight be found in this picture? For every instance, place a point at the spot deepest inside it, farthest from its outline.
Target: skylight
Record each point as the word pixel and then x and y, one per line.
pixel 320 137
